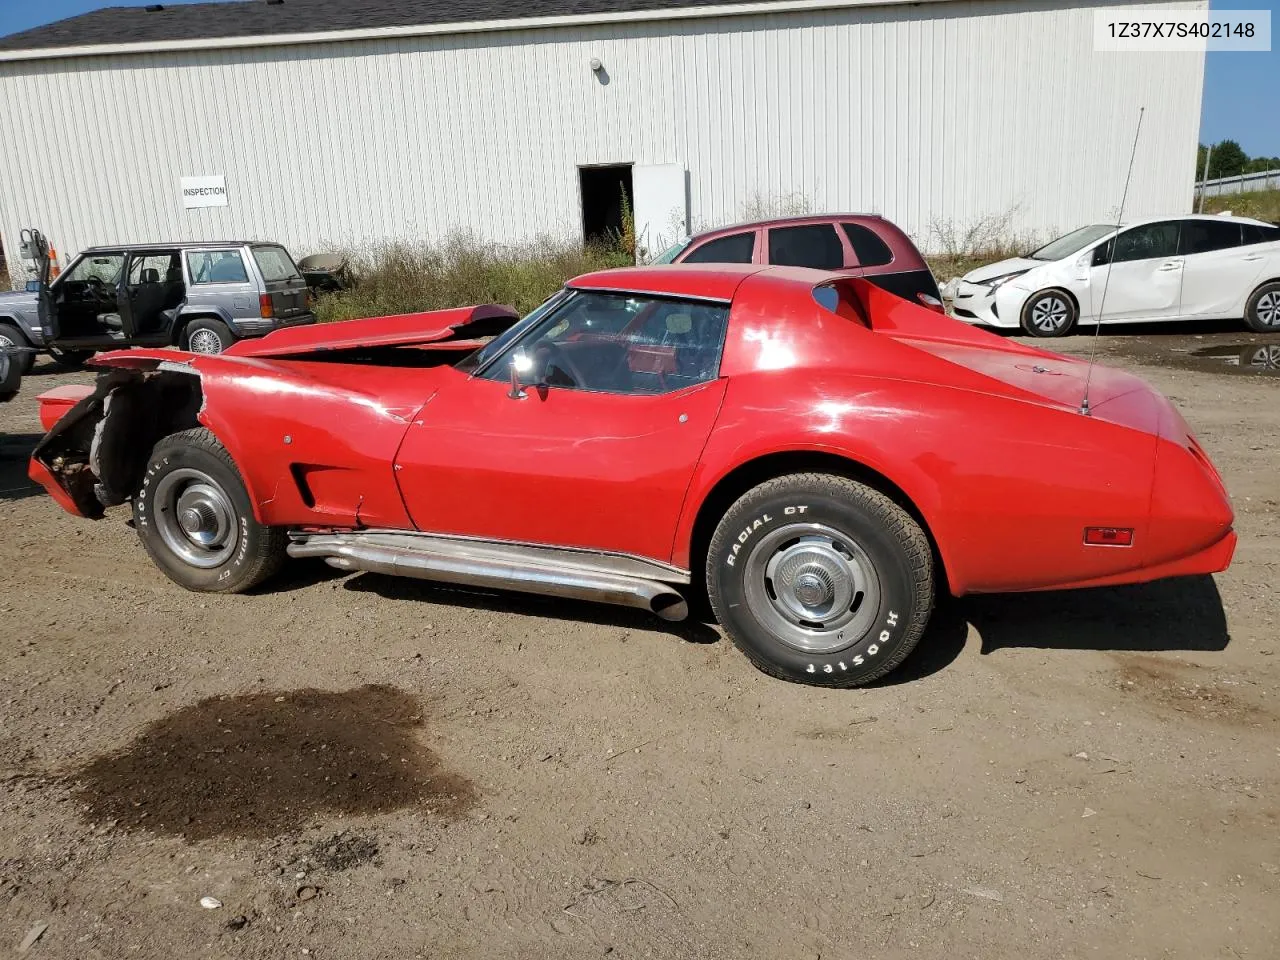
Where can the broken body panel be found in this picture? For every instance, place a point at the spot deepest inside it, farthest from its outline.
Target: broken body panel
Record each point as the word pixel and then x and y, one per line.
pixel 368 424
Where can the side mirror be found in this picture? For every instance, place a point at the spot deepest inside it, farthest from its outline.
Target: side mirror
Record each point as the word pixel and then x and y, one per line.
pixel 33 286
pixel 520 363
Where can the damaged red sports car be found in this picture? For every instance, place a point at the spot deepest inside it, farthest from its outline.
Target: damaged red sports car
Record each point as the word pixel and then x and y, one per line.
pixel 817 456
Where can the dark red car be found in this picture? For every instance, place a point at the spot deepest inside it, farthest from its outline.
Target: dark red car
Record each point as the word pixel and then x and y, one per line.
pixel 818 456
pixel 856 244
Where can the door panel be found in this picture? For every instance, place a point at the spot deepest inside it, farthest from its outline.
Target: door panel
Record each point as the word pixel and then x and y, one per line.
pixel 564 467
pixel 1145 281
pixel 659 205
pixel 1219 273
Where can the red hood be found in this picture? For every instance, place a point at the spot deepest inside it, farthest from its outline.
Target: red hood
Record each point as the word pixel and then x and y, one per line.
pixel 403 330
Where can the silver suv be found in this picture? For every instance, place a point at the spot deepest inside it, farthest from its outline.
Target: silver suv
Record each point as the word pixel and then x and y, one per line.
pixel 198 296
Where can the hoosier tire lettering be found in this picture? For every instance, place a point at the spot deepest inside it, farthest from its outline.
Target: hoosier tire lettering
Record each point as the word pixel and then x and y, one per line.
pixel 821 579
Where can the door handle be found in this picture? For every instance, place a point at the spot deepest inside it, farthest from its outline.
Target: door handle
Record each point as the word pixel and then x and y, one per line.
pixel 1172 265
pixel 1253 259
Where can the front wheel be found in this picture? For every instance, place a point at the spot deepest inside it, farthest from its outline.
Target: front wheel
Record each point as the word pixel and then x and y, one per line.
pixel 1049 313
pixel 194 516
pixel 1263 310
pixel 819 579
pixel 11 337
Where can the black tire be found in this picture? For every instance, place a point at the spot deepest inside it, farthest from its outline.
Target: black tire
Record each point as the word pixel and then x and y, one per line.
pixel 70 359
pixel 182 466
pixel 783 520
pixel 1049 313
pixel 11 336
pixel 198 336
pixel 1262 313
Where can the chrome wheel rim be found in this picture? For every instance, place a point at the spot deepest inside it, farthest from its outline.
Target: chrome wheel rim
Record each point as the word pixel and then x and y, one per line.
pixel 195 518
pixel 812 587
pixel 1269 308
pixel 204 341
pixel 1050 313
pixel 6 343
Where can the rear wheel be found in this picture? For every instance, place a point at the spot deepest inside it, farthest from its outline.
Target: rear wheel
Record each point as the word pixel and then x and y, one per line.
pixel 820 579
pixel 194 516
pixel 1049 313
pixel 1263 311
pixel 11 336
pixel 207 336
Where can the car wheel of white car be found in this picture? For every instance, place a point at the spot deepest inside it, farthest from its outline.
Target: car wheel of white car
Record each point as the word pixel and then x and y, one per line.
pixel 1049 313
pixel 819 579
pixel 1263 312
pixel 208 336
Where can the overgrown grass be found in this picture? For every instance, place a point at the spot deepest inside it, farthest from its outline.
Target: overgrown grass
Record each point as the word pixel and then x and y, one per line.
pixel 1262 205
pixel 407 278
pixel 959 249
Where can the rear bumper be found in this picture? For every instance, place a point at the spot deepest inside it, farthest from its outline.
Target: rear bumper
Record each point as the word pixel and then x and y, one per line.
pixel 1212 559
pixel 261 327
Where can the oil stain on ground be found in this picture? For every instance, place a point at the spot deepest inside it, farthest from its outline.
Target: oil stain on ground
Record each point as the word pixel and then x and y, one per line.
pixel 264 764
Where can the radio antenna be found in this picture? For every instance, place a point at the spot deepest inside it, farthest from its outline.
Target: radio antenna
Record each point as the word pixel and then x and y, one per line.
pixel 1114 241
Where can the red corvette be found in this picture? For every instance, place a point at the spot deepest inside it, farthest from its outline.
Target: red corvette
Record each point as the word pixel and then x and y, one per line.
pixel 817 455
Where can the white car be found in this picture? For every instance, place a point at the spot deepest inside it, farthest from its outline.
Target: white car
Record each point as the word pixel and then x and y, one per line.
pixel 1174 268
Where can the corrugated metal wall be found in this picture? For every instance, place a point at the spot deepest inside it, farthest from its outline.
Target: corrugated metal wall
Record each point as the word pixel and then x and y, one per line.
pixel 937 115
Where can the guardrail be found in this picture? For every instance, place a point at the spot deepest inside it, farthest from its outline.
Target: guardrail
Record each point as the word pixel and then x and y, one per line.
pixel 1243 183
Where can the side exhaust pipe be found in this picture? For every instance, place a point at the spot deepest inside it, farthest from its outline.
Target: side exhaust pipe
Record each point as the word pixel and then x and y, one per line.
pixel 525 569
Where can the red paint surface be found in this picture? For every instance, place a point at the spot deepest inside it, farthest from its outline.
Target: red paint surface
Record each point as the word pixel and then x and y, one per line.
pixel 982 436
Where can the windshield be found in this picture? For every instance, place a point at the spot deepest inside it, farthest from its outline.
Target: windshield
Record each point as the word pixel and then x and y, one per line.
pixel 673 251
pixel 1073 242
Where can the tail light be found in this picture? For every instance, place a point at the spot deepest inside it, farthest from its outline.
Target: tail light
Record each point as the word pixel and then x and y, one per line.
pixel 932 302
pixel 1108 536
pixel 267 308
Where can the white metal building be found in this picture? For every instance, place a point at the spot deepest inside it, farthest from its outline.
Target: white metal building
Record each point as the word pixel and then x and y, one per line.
pixel 331 123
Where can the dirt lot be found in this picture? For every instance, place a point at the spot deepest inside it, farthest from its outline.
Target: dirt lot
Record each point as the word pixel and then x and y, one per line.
pixel 360 767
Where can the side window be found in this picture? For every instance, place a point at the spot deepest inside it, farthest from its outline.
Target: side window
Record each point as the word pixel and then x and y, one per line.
pixel 1254 233
pixel 736 248
pixel 216 266
pixel 870 250
pixel 1205 236
pixel 152 268
pixel 1147 242
pixel 814 245
pixel 619 343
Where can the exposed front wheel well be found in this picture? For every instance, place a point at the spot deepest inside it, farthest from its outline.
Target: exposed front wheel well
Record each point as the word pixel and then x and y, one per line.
pixel 99 451
pixel 755 472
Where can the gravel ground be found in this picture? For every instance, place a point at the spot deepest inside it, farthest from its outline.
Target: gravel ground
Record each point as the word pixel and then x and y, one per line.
pixel 359 767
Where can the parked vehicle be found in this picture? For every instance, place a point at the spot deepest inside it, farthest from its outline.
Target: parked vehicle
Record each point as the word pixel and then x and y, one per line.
pixel 857 244
pixel 202 297
pixel 816 454
pixel 1173 268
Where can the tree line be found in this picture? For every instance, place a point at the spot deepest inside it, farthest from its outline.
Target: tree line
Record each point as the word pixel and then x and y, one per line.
pixel 1229 160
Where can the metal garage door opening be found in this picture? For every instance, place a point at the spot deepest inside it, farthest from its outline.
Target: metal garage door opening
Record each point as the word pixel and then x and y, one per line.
pixel 602 191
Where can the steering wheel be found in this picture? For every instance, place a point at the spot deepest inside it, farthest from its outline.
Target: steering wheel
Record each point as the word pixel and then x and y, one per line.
pixel 96 287
pixel 549 354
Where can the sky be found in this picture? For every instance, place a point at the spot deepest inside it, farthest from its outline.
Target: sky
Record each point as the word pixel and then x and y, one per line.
pixel 1241 90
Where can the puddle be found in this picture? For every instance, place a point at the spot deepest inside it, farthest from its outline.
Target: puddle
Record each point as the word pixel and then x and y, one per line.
pixel 270 763
pixel 1263 358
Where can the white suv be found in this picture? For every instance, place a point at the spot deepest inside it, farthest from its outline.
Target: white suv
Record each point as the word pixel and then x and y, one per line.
pixel 1173 268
